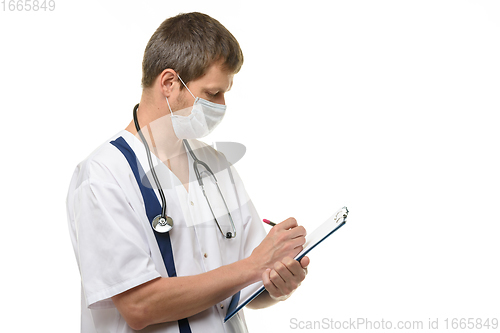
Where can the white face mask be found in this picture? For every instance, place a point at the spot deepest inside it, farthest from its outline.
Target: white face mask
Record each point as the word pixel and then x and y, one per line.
pixel 204 117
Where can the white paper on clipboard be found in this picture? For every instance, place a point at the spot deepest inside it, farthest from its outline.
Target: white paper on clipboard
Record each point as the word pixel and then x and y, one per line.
pixel 246 295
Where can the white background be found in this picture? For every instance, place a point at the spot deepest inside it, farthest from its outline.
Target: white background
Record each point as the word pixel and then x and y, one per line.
pixel 387 107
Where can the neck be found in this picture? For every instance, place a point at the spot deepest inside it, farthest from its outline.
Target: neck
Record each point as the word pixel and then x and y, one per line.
pixel 156 127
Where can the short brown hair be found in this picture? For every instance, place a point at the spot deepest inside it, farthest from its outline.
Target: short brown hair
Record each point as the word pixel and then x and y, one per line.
pixel 189 44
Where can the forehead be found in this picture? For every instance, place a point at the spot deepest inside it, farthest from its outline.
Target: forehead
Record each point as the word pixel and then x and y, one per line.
pixel 216 77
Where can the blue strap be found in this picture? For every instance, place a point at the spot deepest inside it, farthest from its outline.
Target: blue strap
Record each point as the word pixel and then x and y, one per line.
pixel 153 209
pixel 234 302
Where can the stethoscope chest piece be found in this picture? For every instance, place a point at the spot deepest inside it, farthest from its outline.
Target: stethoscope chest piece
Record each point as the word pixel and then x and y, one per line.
pixel 162 225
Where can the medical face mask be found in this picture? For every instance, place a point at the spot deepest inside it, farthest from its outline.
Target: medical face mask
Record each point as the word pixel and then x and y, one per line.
pixel 204 117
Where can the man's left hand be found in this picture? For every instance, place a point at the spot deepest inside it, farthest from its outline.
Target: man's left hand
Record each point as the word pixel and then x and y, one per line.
pixel 285 277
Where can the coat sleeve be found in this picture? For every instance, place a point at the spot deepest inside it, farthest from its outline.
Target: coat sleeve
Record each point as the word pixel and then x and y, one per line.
pixel 110 242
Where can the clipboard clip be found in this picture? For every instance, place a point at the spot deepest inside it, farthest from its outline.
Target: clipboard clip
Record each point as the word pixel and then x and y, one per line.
pixel 341 215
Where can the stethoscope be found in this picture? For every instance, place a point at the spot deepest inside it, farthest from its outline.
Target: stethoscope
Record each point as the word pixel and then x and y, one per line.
pixel 164 223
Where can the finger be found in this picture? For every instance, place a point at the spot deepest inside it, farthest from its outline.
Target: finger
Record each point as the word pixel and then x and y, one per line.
pixel 297 242
pixel 268 284
pixel 298 231
pixel 287 224
pixel 304 262
pixel 283 271
pixel 291 281
pixel 279 283
pixel 294 251
pixel 295 268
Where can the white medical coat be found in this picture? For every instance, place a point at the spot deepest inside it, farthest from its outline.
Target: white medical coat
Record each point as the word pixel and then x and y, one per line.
pixel 115 246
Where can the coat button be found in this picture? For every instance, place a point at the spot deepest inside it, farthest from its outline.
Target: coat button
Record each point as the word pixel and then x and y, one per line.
pixel 205 255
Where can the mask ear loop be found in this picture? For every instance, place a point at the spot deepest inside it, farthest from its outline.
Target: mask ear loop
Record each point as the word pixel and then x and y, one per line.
pixel 166 98
pixel 186 86
pixel 171 113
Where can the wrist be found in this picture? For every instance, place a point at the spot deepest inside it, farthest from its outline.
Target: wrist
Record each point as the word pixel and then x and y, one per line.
pixel 254 268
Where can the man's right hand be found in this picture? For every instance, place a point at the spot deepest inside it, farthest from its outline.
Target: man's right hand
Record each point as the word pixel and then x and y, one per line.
pixel 285 239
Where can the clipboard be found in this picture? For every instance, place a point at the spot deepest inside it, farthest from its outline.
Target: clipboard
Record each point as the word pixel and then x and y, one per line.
pixel 245 296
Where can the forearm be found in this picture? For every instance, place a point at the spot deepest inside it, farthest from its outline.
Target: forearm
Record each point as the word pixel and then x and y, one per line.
pixel 170 299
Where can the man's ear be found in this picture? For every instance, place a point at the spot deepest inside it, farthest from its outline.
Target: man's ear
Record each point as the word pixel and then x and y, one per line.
pixel 168 81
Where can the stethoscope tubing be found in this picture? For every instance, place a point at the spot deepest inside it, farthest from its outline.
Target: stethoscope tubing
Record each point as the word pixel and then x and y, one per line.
pixel 163 217
pixel 150 162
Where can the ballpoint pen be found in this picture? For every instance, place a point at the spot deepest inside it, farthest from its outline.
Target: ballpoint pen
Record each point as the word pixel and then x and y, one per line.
pixel 272 224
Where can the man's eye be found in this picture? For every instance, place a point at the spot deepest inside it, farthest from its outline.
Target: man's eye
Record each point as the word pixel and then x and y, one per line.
pixel 212 95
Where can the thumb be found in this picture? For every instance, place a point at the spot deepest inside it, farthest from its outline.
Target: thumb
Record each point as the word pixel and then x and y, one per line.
pixel 304 262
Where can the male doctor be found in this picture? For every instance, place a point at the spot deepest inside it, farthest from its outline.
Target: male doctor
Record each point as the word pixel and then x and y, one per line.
pixel 135 278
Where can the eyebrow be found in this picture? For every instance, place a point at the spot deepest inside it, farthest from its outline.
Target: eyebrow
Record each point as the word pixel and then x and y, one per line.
pixel 219 89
